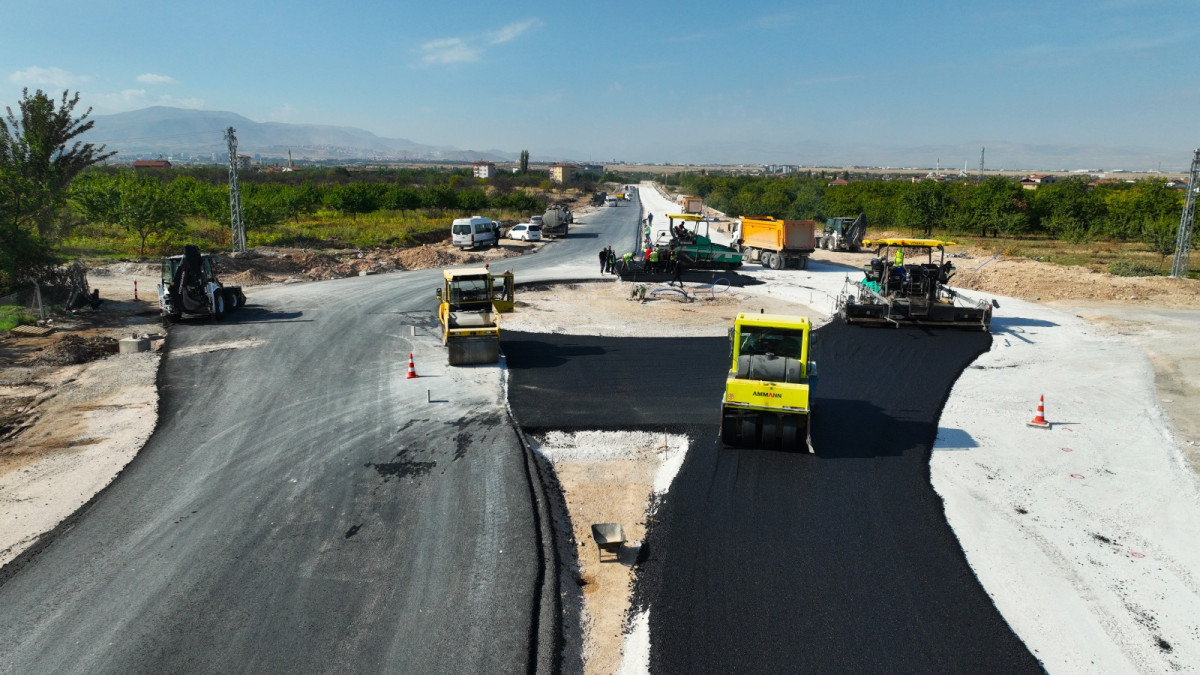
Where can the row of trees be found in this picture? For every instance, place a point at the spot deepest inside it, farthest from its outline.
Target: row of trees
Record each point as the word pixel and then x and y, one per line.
pixel 152 205
pixel 1146 211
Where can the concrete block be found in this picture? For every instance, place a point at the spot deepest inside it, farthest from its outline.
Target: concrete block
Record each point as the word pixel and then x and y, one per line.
pixel 133 345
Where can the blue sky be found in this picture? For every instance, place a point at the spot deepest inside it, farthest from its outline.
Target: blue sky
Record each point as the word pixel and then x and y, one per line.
pixel 1057 82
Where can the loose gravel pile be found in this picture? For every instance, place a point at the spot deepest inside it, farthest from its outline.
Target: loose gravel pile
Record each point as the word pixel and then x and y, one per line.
pixel 72 349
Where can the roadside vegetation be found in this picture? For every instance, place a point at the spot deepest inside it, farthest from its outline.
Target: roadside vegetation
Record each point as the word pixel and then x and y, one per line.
pixel 119 212
pixel 12 316
pixel 1068 222
pixel 57 203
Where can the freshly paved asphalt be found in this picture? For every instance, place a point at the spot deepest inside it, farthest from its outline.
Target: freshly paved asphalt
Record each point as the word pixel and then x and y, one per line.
pixel 299 508
pixel 760 561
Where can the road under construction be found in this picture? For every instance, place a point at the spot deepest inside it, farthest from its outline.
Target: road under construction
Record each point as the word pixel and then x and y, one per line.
pixel 841 560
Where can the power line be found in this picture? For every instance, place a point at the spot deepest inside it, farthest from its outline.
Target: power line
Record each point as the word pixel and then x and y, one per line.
pixel 235 195
pixel 1183 243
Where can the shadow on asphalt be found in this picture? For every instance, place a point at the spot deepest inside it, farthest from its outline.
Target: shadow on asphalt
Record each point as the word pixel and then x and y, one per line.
pixel 252 314
pixel 875 433
pixel 1004 323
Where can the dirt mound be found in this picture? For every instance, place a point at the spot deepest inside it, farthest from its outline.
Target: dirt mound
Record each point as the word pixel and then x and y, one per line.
pixel 72 349
pixel 248 278
pixel 424 257
pixel 1033 280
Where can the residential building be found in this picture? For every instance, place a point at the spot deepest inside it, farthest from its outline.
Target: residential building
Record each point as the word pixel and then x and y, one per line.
pixel 484 170
pixel 1037 180
pixel 563 173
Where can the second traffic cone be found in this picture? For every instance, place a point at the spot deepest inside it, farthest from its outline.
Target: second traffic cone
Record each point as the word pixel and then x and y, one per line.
pixel 412 369
pixel 1040 421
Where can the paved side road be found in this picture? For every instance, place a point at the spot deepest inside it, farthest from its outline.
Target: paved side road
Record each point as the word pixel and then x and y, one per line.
pixel 774 562
pixel 302 506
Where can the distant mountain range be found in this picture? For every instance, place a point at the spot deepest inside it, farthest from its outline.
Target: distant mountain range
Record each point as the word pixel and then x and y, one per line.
pixel 181 132
pixel 184 134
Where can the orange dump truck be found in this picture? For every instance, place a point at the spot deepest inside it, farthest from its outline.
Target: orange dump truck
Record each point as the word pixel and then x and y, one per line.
pixel 775 243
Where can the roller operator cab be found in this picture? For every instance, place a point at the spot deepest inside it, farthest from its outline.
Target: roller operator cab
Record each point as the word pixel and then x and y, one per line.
pixel 469 308
pixel 768 392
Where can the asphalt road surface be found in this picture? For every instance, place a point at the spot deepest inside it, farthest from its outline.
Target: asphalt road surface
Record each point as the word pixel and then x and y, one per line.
pixel 299 509
pixel 760 561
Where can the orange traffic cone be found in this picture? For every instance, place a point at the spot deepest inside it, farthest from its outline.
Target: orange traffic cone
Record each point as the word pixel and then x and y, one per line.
pixel 412 369
pixel 1040 421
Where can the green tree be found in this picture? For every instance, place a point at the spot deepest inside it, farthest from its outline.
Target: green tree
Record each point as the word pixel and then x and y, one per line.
pixel 354 198
pixel 996 205
pixel 141 205
pixel 1160 235
pixel 472 200
pixel 1068 209
pixel 38 161
pixel 924 206
pixel 524 161
pixel 400 198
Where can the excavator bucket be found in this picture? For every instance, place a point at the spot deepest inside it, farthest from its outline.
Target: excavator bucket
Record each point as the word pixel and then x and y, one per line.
pixel 471 351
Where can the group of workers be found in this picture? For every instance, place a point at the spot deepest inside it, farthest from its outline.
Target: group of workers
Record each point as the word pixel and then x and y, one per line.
pixel 652 260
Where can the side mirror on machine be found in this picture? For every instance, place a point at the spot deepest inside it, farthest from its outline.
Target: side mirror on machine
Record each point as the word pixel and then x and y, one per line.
pixel 438 292
pixel 812 369
pixel 995 303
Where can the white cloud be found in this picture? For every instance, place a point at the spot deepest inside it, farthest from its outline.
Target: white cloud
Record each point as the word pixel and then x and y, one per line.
pixel 151 78
pixel 449 50
pixel 512 31
pixel 52 76
pixel 470 49
pixel 132 99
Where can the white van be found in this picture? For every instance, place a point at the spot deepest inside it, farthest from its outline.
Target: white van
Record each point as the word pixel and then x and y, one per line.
pixel 611 200
pixel 474 232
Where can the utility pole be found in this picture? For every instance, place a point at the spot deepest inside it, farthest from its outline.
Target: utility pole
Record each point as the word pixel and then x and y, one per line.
pixel 235 195
pixel 1183 244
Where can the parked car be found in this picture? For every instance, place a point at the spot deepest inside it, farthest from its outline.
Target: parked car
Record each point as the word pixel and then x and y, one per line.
pixel 525 232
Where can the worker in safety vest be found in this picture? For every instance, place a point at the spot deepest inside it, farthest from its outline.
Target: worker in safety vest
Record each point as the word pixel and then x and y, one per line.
pixel 899 260
pixel 654 259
